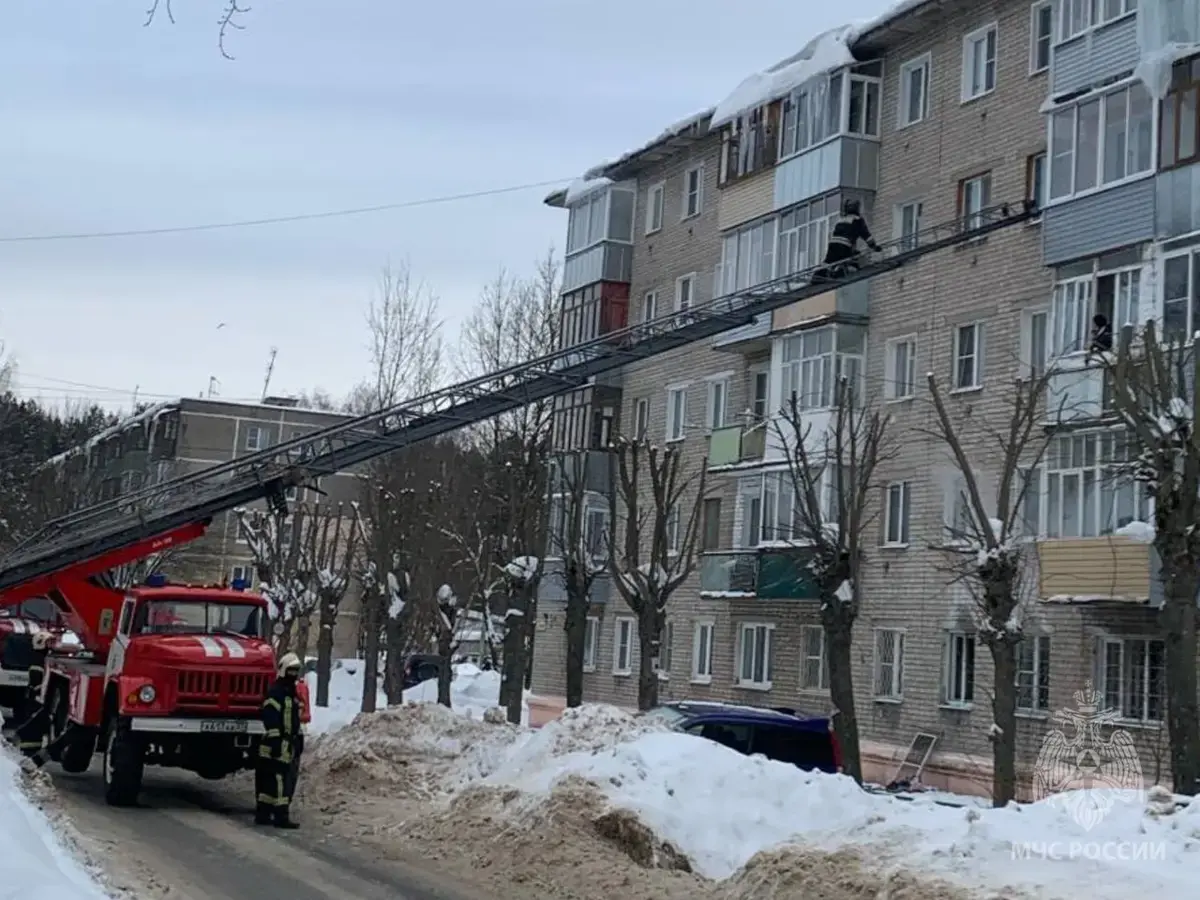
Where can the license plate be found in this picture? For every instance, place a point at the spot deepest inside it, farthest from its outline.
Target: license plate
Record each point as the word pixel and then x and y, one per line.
pixel 225 726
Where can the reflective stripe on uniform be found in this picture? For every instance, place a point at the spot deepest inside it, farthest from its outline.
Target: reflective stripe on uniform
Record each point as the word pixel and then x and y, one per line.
pixel 287 715
pixel 271 733
pixel 271 701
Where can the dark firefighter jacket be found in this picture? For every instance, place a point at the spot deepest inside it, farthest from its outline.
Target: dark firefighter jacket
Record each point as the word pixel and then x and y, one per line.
pixel 849 230
pixel 37 672
pixel 281 721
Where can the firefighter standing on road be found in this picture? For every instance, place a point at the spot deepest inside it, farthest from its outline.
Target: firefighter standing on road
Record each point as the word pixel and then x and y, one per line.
pixel 274 774
pixel 34 718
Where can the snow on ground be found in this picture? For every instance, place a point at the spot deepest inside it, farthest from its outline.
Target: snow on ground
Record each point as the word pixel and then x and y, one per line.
pixel 35 863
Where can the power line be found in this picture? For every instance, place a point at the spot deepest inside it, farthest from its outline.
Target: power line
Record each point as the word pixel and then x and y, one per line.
pixel 280 220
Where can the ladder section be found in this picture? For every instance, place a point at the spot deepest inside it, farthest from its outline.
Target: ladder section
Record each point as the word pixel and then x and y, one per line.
pixel 157 508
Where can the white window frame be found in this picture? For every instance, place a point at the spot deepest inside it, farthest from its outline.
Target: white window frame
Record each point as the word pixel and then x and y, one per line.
pixel 1034 359
pixel 666 651
pixel 900 381
pixel 1036 39
pixel 1043 195
pixel 763 371
pixel 650 306
pixel 1126 701
pixel 629 625
pixel 716 413
pixel 673 525
pixel 1080 500
pixel 1192 254
pixel 677 416
pixel 1074 302
pixel 974 67
pixel 1034 649
pixel 641 418
pixel 754 683
pixel 683 304
pixel 890 690
pixel 656 198
pixel 976 354
pixel 1073 18
pixel 259 434
pixel 702 651
pixel 959 669
pixel 1067 117
pixel 693 196
pixel 810 662
pixel 580 234
pixel 748 257
pixel 897 495
pixel 591 643
pixel 974 196
pixel 907 230
pixel 810 369
pixel 868 85
pixel 924 65
pixel 247 570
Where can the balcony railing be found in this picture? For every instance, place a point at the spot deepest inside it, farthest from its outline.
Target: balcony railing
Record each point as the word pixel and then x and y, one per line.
pixel 737 444
pixel 766 574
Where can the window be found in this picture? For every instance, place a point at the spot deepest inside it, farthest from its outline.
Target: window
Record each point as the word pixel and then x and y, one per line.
pixel 1179 126
pixel 595 533
pixel 747 258
pixel 1101 141
pixel 654 207
pixel 811 114
pixel 586 224
pixel 889 664
pixel 623 646
pixel 702 652
pixel 662 663
pixel 1034 347
pixel 968 357
pixel 1133 676
pixel 958 521
pixel 863 106
pixel 748 144
pixel 1033 674
pixel 1089 489
pixel 908 224
pixel 754 653
pixel 591 643
pixel 685 292
pixel 1037 188
pixel 710 524
pixel 1077 16
pixel 813 365
pixel 641 418
pixel 1041 36
pixel 693 191
pixel 1114 294
pixel 243 574
pixel 914 90
pixel 958 681
pixel 901 359
pixel 979 63
pixel 718 401
pixel 256 438
pixel 804 234
pixel 676 412
pixel 974 196
pixel 898 499
pixel 1181 296
pixel 1071 308
pixel 650 306
pixel 760 387
pixel 674 534
pixel 814 667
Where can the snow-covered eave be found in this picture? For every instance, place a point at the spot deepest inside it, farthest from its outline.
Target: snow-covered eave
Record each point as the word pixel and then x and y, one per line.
pixel 902 20
pixel 1074 599
pixel 670 141
pixel 149 415
pixel 557 198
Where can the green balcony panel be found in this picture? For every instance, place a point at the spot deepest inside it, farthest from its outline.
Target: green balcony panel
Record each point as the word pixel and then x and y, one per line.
pixel 784 575
pixel 725 446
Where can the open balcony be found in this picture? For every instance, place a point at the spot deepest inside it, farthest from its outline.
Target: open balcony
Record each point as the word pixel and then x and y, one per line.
pixel 737 444
pixel 762 574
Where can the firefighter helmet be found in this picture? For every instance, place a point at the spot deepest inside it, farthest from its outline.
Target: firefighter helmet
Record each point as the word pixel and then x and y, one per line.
pixel 41 640
pixel 290 662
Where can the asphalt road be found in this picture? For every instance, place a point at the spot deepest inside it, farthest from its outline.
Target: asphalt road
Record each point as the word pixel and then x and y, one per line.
pixel 193 840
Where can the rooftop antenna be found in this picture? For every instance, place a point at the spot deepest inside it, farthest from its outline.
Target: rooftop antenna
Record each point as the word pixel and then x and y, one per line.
pixel 136 388
pixel 213 387
pixel 270 371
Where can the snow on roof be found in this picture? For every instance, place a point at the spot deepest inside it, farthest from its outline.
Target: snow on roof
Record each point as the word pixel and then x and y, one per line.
pixel 827 51
pixel 149 415
pixel 897 10
pixel 584 187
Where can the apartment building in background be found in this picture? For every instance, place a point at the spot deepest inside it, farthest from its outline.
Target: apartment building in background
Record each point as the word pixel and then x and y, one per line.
pixel 937 112
pixel 186 436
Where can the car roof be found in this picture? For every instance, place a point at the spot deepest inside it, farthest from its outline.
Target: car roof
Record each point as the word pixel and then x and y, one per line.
pixel 696 709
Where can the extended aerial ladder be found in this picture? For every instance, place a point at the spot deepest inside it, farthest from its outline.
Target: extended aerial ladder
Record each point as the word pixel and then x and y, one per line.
pixel 137 524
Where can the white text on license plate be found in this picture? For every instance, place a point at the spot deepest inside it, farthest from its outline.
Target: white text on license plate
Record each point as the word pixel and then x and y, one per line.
pixel 225 726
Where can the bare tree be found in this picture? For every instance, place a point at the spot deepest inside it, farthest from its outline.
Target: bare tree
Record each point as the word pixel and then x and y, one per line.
pixel 139 570
pixel 445 631
pixel 229 20
pixel 275 541
pixel 331 547
pixel 1152 380
pixel 983 547
pixel 405 353
pixel 654 508
pixel 832 477
pixel 582 552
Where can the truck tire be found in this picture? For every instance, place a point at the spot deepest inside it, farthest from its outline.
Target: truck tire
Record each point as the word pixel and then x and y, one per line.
pixel 124 763
pixel 58 719
pixel 76 756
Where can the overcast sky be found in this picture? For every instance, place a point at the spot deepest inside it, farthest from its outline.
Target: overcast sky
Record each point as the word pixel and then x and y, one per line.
pixel 330 104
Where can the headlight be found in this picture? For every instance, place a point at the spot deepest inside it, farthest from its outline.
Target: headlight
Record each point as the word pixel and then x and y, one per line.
pixel 147 694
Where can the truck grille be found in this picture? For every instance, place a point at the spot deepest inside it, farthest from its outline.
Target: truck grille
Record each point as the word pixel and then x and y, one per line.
pixel 220 689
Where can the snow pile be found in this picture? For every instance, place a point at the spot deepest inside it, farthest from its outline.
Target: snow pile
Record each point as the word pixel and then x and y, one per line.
pixel 472 692
pixel 1142 532
pixel 345 696
pixel 722 808
pixel 35 862
pixel 827 51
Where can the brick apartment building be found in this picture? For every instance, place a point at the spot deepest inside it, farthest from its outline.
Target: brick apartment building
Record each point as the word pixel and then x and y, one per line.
pixel 188 435
pixel 939 110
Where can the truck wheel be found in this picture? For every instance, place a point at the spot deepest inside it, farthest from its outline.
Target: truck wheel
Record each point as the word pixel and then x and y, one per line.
pixel 124 762
pixel 58 721
pixel 76 756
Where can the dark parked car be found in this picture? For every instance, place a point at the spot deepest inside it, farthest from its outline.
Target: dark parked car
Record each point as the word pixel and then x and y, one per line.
pixel 421 667
pixel 780 734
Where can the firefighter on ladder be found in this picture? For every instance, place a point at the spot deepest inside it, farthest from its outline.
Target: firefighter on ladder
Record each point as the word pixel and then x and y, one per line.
pixel 33 716
pixel 842 254
pixel 276 768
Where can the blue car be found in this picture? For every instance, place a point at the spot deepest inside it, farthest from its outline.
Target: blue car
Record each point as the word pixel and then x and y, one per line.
pixel 781 734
